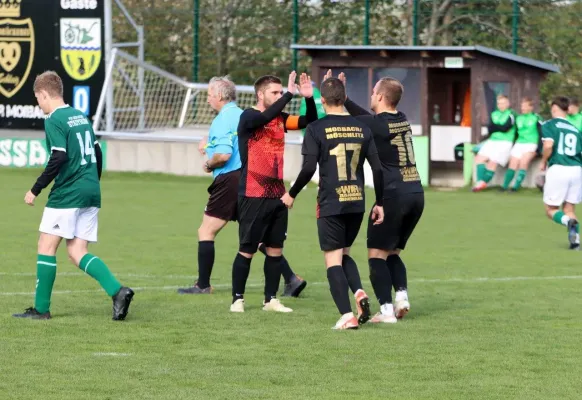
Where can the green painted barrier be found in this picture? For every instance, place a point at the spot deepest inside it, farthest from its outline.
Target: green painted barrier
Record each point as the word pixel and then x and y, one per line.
pixel 422 156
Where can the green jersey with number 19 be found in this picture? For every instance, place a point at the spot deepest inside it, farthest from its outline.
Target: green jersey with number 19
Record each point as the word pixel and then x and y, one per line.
pixel 567 142
pixel 77 184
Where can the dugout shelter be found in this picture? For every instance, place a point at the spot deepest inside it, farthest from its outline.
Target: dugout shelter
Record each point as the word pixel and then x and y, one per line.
pixel 449 93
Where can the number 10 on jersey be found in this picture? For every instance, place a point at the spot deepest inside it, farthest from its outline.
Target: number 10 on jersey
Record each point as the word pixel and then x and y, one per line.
pixel 87 148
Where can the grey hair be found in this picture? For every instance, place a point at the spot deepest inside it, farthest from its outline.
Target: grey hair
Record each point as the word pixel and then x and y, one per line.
pixel 224 88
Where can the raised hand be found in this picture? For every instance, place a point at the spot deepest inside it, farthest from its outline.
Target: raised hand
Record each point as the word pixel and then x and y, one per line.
pixel 342 77
pixel 328 75
pixel 305 86
pixel 292 86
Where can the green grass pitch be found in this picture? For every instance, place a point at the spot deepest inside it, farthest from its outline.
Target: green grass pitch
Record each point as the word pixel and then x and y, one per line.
pixel 495 294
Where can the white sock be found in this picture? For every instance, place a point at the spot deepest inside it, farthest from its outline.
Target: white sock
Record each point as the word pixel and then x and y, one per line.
pixel 401 295
pixel 565 219
pixel 577 238
pixel 387 309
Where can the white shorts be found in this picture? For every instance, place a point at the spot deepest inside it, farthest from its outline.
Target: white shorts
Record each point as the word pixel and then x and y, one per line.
pixel 563 183
pixel 519 149
pixel 70 223
pixel 497 151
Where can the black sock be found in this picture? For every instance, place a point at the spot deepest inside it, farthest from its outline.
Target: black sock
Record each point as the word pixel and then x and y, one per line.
pixel 397 271
pixel 272 270
pixel 338 286
pixel 381 280
pixel 240 273
pixel 286 270
pixel 352 273
pixel 205 262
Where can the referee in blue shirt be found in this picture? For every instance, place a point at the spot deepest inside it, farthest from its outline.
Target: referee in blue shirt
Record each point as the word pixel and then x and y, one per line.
pixel 224 163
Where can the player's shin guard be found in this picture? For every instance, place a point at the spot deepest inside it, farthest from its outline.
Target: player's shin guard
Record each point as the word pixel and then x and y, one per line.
pixel 381 280
pixel 488 175
pixel 352 274
pixel 95 268
pixel 205 262
pixel 480 172
pixel 46 271
pixel 240 273
pixel 519 180
pixel 338 286
pixel 397 271
pixel 272 268
pixel 286 270
pixel 509 174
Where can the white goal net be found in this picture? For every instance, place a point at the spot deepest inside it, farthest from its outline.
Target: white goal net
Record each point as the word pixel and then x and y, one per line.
pixel 144 98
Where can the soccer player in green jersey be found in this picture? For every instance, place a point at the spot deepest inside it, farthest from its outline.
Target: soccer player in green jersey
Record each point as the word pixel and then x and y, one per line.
pixel 495 151
pixel 73 204
pixel 525 148
pixel 562 159
pixel 574 114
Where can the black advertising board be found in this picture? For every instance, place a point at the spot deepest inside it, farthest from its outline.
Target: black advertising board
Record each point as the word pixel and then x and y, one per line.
pixel 66 36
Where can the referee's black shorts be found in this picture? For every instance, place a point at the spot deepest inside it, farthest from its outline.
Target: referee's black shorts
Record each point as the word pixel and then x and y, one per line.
pixel 261 220
pixel 401 214
pixel 338 231
pixel 222 203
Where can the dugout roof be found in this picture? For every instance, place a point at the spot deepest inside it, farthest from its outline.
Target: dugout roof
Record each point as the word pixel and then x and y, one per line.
pixel 311 49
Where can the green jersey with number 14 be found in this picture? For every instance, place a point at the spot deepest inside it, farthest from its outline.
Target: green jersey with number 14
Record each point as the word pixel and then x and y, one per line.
pixel 567 142
pixel 77 184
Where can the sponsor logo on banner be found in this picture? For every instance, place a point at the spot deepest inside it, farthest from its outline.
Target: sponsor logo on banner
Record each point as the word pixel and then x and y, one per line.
pixel 78 4
pixel 20 111
pixel 80 46
pixel 23 153
pixel 16 152
pixel 16 48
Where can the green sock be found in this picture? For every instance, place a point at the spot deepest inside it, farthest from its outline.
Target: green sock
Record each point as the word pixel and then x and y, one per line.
pixel 488 175
pixel 46 271
pixel 94 267
pixel 480 171
pixel 508 178
pixel 561 218
pixel 520 177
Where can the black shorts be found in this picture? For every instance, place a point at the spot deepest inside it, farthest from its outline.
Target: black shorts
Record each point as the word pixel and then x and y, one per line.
pixel 261 220
pixel 223 199
pixel 401 214
pixel 338 231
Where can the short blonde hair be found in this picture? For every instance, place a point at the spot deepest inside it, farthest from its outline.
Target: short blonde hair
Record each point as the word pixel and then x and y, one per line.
pixel 50 82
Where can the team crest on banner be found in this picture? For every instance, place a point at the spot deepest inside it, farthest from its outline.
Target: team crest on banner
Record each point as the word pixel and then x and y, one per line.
pixel 80 46
pixel 16 48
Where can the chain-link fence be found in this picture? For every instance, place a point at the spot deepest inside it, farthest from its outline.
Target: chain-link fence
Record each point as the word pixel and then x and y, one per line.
pixel 249 38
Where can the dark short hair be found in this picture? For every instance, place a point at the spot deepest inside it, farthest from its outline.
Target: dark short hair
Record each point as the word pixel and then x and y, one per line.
pixel 50 82
pixel 574 101
pixel 333 91
pixel 561 102
pixel 527 99
pixel 391 89
pixel 264 81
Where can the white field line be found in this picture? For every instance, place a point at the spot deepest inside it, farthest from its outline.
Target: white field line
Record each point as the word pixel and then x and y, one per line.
pixel 258 284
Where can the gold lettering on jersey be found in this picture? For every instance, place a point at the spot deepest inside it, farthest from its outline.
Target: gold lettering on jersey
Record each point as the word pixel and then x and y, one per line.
pixel 403 142
pixel 339 152
pixel 349 193
pixel 409 174
pixel 344 132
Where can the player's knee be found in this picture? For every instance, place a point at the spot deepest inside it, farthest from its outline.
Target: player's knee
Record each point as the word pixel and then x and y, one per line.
pixel 245 254
pixel 346 251
pixel 75 254
pixel 206 233
pixel 378 253
pixel 274 252
pixel 395 252
pixel 46 246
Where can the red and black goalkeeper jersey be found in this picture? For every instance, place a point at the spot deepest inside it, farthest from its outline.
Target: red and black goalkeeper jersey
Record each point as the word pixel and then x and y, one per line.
pixel 261 140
